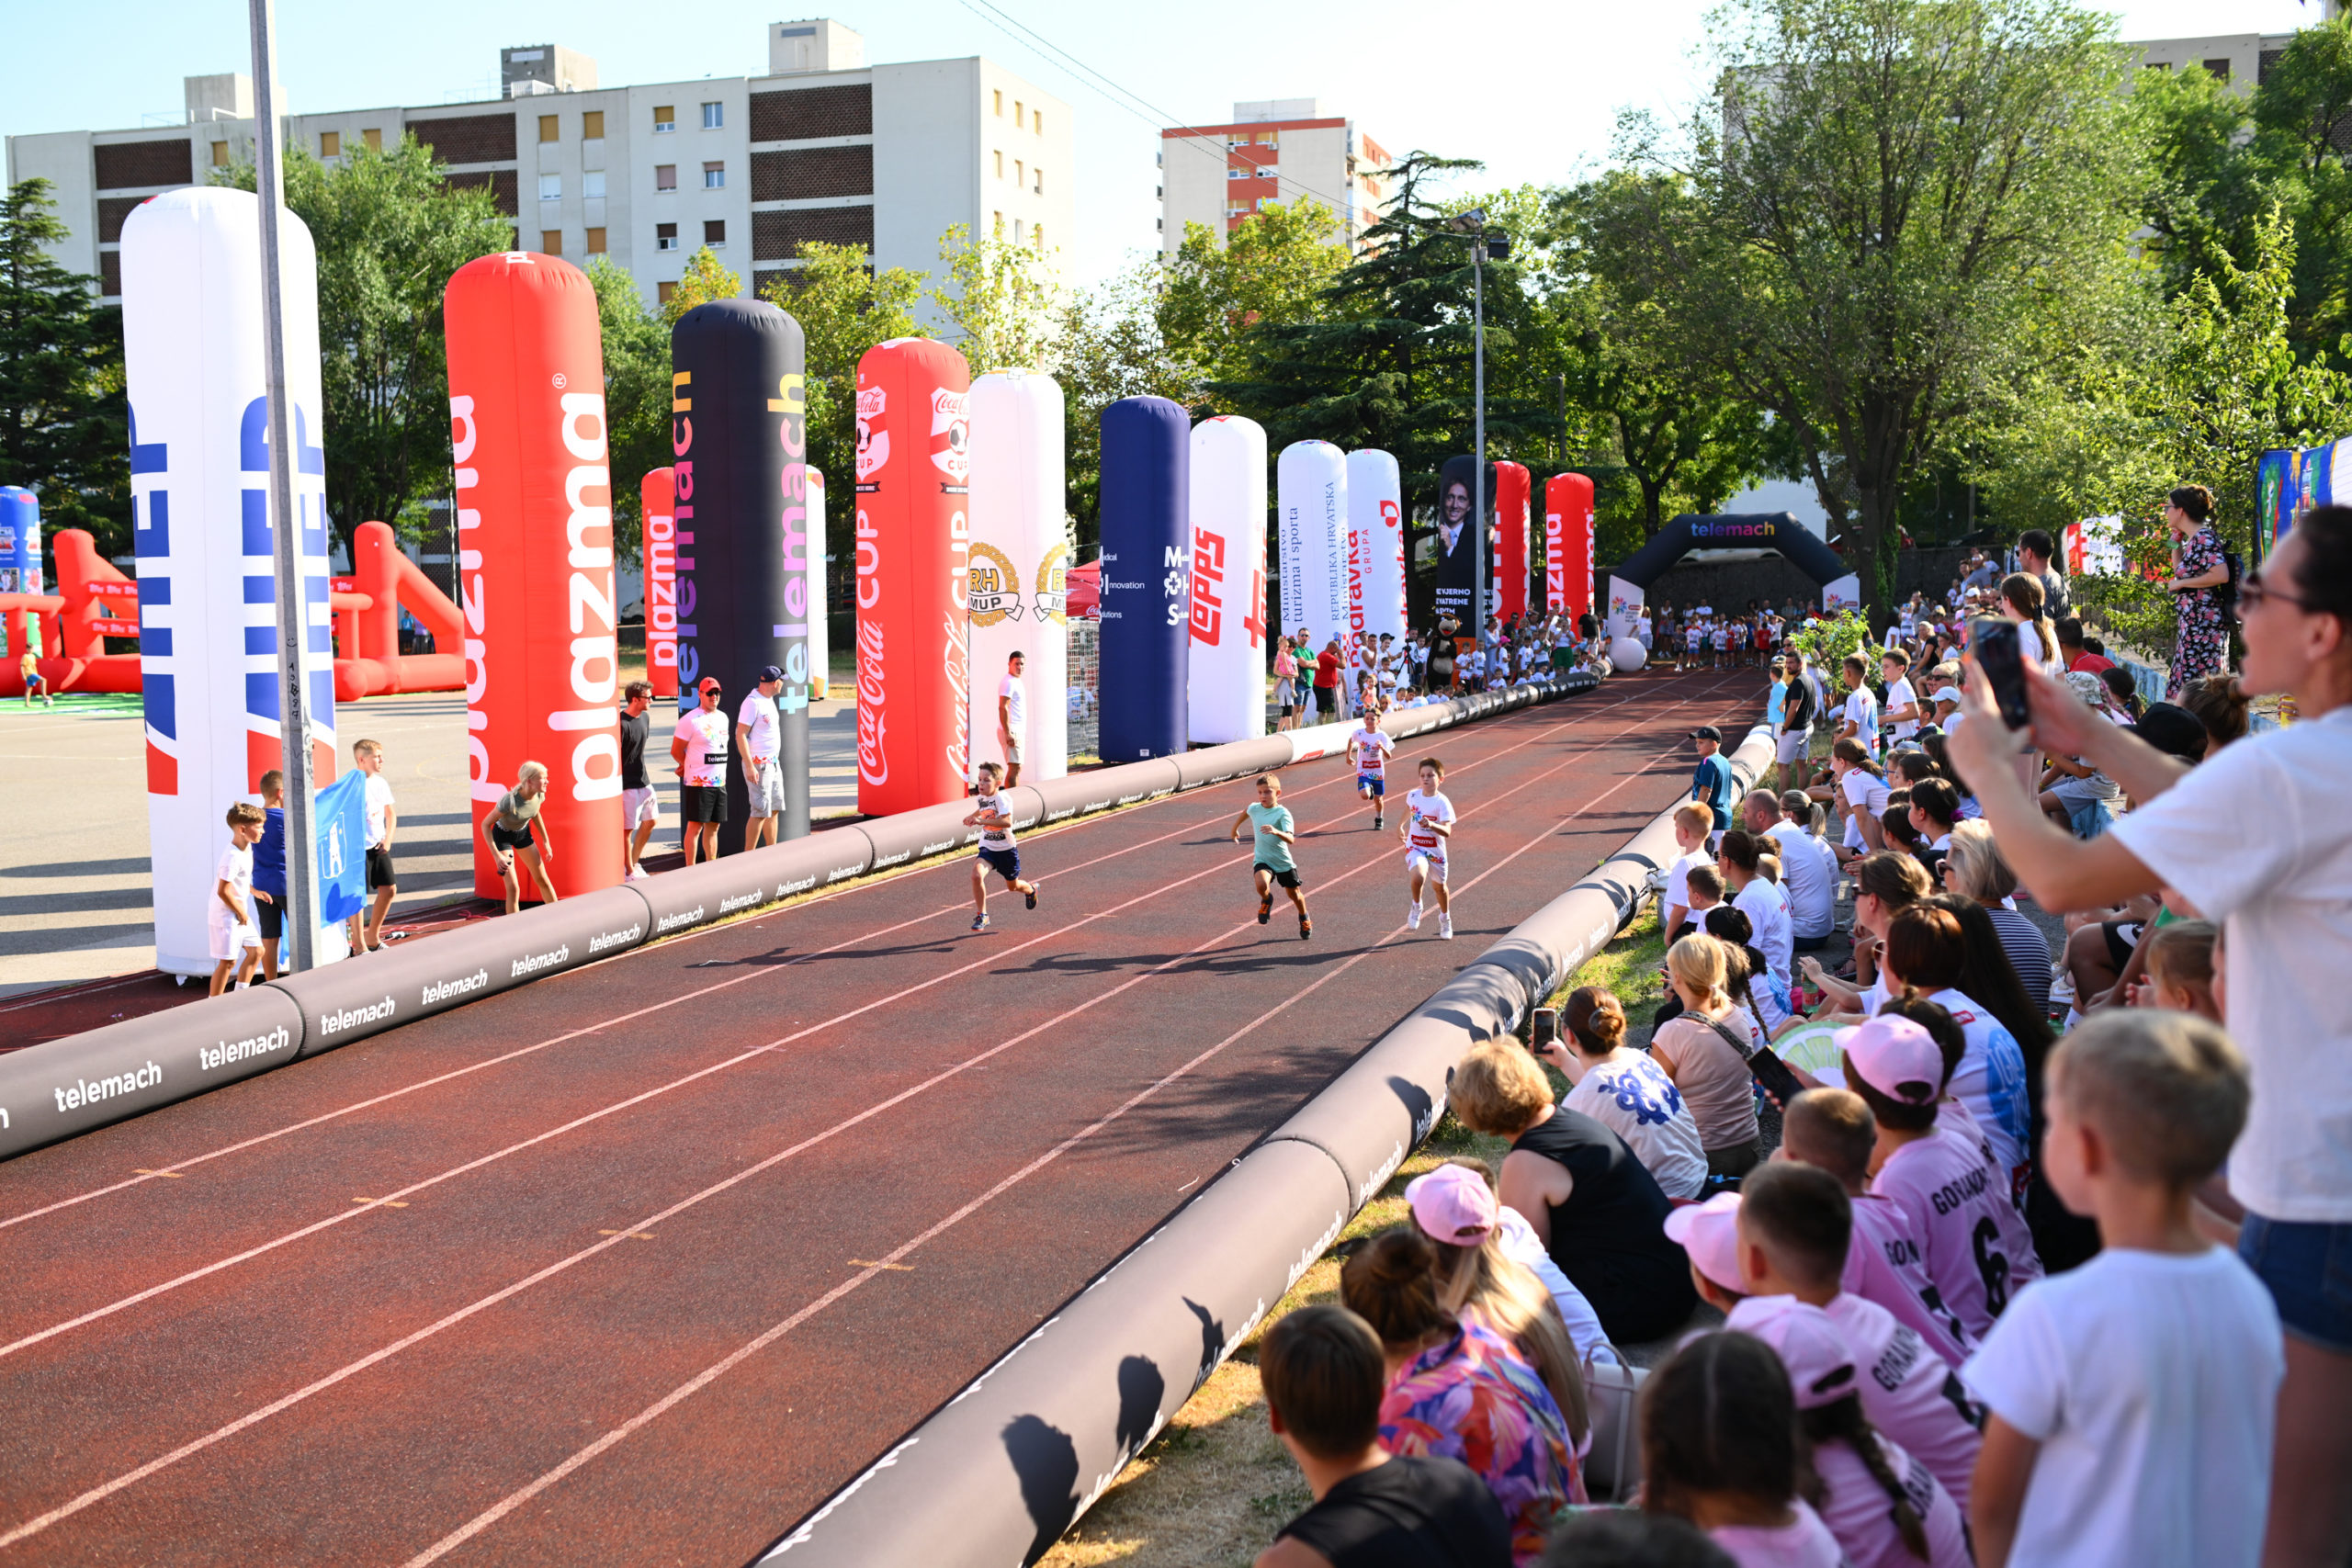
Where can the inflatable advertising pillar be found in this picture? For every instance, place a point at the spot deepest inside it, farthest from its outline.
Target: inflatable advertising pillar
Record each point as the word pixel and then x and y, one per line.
pixel 657 499
pixel 1311 510
pixel 1227 682
pixel 1458 543
pixel 1020 562
pixel 1567 545
pixel 739 431
pixel 1376 547
pixel 820 651
pixel 535 556
pixel 1512 491
pixel 914 575
pixel 201 528
pixel 1147 567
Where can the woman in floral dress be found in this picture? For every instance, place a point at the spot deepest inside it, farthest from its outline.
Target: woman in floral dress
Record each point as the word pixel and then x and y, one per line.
pixel 2198 574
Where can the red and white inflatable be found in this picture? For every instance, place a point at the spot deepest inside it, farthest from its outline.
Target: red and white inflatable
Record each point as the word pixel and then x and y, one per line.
pixel 1226 678
pixel 913 574
pixel 1019 562
pixel 534 555
pixel 657 495
pixel 1567 545
pixel 1375 547
pixel 1512 488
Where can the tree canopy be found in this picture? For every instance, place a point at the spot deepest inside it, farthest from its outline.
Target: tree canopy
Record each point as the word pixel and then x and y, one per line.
pixel 64 426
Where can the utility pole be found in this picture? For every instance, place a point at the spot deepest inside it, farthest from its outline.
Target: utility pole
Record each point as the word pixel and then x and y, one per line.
pixel 1473 225
pixel 301 915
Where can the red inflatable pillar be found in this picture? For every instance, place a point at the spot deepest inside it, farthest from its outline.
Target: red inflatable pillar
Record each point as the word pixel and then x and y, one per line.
pixel 914 575
pixel 534 562
pixel 1511 497
pixel 658 500
pixel 1567 545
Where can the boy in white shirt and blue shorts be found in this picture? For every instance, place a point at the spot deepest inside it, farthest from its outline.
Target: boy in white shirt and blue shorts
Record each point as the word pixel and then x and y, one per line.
pixel 1370 749
pixel 992 815
pixel 1427 828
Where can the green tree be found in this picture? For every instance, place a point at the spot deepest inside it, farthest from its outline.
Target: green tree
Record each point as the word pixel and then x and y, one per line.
pixel 389 232
pixel 1107 345
pixel 706 279
pixel 63 428
pixel 636 395
pixel 1276 266
pixel 1001 297
pixel 1882 197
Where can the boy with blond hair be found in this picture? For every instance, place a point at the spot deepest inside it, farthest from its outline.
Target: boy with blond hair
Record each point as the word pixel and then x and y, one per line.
pixel 2133 1398
pixel 1693 824
pixel 228 916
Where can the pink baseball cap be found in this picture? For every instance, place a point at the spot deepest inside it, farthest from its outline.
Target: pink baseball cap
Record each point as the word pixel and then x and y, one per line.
pixel 1709 1231
pixel 1806 1339
pixel 1896 1057
pixel 1452 1204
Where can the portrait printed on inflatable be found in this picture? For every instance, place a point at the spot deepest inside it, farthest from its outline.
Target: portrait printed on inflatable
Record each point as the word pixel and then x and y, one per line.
pixel 1457 541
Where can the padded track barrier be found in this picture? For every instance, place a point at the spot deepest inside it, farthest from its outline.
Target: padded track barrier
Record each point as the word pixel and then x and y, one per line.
pixel 136 1065
pixel 1015 1458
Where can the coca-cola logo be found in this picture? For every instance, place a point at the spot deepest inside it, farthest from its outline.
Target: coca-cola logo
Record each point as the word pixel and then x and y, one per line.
pixel 873 438
pixel 872 762
pixel 950 435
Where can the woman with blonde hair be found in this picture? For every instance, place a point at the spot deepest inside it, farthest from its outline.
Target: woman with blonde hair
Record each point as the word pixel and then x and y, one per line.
pixel 1704 1050
pixel 507 830
pixel 1974 868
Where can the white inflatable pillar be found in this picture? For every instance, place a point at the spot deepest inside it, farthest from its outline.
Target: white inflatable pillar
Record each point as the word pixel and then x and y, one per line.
pixel 1375 547
pixel 1020 563
pixel 1311 510
pixel 200 477
pixel 1226 694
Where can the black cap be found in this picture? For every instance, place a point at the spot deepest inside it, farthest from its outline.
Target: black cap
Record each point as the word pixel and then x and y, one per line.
pixel 770 673
pixel 1708 732
pixel 2173 731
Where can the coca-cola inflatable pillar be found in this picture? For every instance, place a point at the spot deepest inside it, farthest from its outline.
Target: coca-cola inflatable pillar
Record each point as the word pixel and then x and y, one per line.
pixel 1226 681
pixel 1147 566
pixel 657 499
pixel 1567 545
pixel 914 575
pixel 1020 568
pixel 1512 488
pixel 739 429
pixel 1376 547
pixel 535 556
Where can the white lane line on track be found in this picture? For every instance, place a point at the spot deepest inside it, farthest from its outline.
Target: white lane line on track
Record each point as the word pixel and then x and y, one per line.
pixel 106 1489
pixel 145 1177
pixel 717 1369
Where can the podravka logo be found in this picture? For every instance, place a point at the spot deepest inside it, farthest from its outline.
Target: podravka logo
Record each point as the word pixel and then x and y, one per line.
pixel 950 436
pixel 996 586
pixel 873 439
pixel 1053 585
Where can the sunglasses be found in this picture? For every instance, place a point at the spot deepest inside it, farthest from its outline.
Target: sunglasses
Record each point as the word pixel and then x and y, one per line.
pixel 2252 594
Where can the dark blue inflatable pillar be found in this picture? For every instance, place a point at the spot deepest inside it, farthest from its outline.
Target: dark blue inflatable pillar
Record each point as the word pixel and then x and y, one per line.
pixel 1147 567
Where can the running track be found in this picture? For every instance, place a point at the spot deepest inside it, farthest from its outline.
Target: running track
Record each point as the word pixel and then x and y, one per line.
pixel 639 1263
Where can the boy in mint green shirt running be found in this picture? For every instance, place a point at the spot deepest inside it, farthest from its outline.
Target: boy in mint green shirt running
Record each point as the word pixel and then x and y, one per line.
pixel 1276 831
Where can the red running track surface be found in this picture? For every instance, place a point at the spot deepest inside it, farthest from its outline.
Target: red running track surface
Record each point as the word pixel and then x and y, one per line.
pixel 639 1263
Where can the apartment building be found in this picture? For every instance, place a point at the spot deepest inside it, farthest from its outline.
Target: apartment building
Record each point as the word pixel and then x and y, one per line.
pixel 823 146
pixel 2242 60
pixel 1274 150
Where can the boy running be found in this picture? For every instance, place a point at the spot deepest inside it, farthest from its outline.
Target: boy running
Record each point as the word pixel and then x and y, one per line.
pixel 1272 861
pixel 993 817
pixel 1370 749
pixel 1428 823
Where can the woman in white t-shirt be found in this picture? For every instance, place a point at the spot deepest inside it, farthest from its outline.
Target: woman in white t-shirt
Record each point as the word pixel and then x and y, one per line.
pixel 1861 789
pixel 2022 597
pixel 2258 838
pixel 1627 1092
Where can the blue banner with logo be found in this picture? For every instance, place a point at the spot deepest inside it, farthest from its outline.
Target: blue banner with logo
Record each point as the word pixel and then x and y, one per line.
pixel 340 821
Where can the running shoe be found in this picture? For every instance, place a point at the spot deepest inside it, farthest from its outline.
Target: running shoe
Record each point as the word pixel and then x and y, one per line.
pixel 1375 822
pixel 1306 927
pixel 1412 917
pixel 1032 898
pixel 1265 908
pixel 980 922
pixel 1445 926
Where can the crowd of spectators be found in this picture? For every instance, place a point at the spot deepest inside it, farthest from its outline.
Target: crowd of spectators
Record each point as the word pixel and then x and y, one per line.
pixel 2047 1263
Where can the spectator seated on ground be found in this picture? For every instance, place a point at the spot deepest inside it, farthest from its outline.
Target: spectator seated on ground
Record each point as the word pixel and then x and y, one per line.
pixel 1808 874
pixel 2220 705
pixel 1975 869
pixel 1883 884
pixel 1926 953
pixel 1747 975
pixel 1623 1089
pixel 1455 1389
pixel 1704 1049
pixel 1620 1538
pixel 1741 858
pixel 1583 1190
pixel 1325 1375
pixel 1720 1448
pixel 1520 1243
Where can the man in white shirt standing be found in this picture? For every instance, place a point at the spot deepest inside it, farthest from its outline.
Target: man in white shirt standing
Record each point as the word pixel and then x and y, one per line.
pixel 1013 716
pixel 758 731
pixel 383 819
pixel 700 748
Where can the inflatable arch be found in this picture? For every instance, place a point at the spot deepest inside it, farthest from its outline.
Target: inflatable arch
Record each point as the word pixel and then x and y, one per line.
pixel 1629 583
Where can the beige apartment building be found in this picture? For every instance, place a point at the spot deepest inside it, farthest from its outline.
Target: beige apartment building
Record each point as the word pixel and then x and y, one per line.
pixel 1274 150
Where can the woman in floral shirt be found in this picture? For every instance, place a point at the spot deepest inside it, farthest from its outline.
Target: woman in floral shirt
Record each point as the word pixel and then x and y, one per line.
pixel 2197 571
pixel 1457 1391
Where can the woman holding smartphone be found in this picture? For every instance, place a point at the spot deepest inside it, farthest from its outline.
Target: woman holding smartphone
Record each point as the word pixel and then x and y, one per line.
pixel 2202 643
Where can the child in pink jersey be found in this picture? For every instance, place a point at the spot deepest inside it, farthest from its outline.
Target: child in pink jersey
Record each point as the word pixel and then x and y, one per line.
pixel 1720 1448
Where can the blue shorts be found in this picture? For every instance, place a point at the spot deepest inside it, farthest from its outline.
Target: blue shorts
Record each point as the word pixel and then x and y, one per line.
pixel 1004 862
pixel 2307 1267
pixel 1375 783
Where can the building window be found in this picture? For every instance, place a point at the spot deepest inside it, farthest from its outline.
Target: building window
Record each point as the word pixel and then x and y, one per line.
pixel 1037 122
pixel 592 125
pixel 998 228
pixel 665 118
pixel 1038 236
pixel 665 292
pixel 714 233
pixel 373 140
pixel 550 187
pixel 1237 174
pixel 2218 69
pixel 1037 182
pixel 665 236
pixel 1000 103
pixel 1019 175
pixel 714 176
pixel 1017 231
pixel 665 177
pixel 550 127
pixel 551 241
pixel 592 184
pixel 713 115
pixel 330 145
pixel 1017 109
pixel 596 242
pixel 999 163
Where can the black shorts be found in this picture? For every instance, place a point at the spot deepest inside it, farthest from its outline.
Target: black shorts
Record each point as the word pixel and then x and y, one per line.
pixel 703 803
pixel 1287 879
pixel 1004 862
pixel 379 868
pixel 269 917
pixel 2122 936
pixel 1326 698
pixel 504 837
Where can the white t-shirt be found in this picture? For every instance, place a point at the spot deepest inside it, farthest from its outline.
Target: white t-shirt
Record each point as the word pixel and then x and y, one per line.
pixel 1370 749
pixel 1678 877
pixel 1767 909
pixel 235 867
pixel 1810 879
pixel 1637 1101
pixel 758 715
pixel 1900 694
pixel 378 793
pixel 1420 808
pixel 1864 792
pixel 1517 1241
pixel 1882 1267
pixel 1971 1241
pixel 1016 699
pixel 2150 1380
pixel 994 805
pixel 1861 712
pixel 2259 839
pixel 706 737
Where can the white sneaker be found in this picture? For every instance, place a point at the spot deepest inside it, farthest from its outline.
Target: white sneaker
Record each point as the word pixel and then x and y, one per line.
pixel 635 873
pixel 1445 926
pixel 1412 917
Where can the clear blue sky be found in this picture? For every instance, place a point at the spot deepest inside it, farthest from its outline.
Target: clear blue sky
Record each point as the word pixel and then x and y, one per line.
pixel 1533 88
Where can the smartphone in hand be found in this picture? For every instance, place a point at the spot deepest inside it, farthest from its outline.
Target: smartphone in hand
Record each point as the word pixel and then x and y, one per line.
pixel 1543 1030
pixel 1774 1075
pixel 1998 655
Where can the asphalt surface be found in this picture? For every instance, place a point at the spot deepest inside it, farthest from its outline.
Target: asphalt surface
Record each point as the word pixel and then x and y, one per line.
pixel 640 1262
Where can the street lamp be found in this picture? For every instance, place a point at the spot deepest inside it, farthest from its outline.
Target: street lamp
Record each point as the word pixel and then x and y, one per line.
pixel 1471 225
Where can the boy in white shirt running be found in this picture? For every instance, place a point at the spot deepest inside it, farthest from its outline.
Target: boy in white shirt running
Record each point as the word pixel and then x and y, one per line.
pixel 229 915
pixel 992 815
pixel 2133 1398
pixel 1271 858
pixel 1370 749
pixel 1427 828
